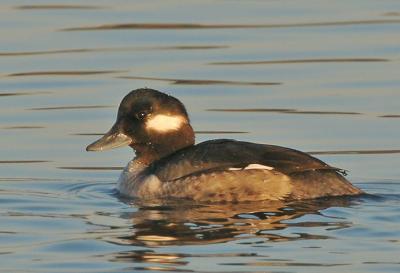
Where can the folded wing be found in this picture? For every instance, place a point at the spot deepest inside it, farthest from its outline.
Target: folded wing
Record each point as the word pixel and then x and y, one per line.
pixel 226 154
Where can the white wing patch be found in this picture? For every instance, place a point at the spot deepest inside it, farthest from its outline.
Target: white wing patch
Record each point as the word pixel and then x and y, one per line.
pixel 165 123
pixel 253 167
pixel 258 167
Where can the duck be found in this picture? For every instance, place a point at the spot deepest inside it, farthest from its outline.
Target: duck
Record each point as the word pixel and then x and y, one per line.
pixel 169 165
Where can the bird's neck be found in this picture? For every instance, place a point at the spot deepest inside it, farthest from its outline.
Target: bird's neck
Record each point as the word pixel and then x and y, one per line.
pixel 162 145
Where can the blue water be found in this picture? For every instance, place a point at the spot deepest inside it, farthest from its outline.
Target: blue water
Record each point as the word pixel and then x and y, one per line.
pixel 64 67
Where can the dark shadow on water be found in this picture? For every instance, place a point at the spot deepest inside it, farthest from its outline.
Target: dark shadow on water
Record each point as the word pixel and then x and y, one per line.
pixel 175 26
pixel 284 111
pixel 285 263
pixel 205 132
pixel 390 116
pixel 295 111
pixel 220 132
pixel 88 134
pixel 200 82
pixel 22 127
pixel 71 107
pixel 357 152
pixel 12 94
pixel 111 49
pixel 304 61
pixel 97 168
pixel 391 13
pixel 22 161
pixel 46 7
pixel 382 198
pixel 64 73
pixel 186 223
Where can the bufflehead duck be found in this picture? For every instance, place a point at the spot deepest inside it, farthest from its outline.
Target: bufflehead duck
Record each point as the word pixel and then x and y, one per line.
pixel 168 164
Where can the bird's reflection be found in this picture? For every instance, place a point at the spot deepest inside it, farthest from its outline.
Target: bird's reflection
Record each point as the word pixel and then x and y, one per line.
pixel 183 223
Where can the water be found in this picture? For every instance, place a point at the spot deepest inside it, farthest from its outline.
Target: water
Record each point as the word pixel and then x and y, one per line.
pixel 316 76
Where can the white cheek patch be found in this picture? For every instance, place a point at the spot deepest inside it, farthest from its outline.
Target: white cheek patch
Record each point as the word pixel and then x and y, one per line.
pixel 165 123
pixel 253 167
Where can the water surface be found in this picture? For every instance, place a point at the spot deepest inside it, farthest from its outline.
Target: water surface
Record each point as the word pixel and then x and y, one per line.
pixel 316 76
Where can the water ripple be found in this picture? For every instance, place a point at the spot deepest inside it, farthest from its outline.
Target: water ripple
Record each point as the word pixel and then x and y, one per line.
pixel 11 94
pixel 275 263
pixel 303 61
pixel 351 152
pixel 90 190
pixel 70 107
pixel 80 168
pixel 392 13
pixel 22 127
pixel 200 82
pixel 65 73
pixel 22 161
pixel 229 26
pixel 284 111
pixel 206 132
pixel 112 49
pixel 390 116
pixel 34 7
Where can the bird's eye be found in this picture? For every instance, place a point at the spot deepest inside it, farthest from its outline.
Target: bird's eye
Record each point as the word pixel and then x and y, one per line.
pixel 141 115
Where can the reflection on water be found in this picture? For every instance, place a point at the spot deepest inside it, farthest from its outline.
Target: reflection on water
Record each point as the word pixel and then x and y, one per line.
pixel 178 224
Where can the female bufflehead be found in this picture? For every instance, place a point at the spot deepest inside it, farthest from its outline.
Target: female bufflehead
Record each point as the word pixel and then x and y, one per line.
pixel 169 165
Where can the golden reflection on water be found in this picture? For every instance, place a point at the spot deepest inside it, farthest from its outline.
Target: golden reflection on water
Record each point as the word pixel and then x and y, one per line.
pixel 158 225
pixel 168 261
pixel 181 224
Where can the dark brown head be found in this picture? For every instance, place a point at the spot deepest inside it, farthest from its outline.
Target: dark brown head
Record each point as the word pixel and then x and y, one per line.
pixel 154 124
